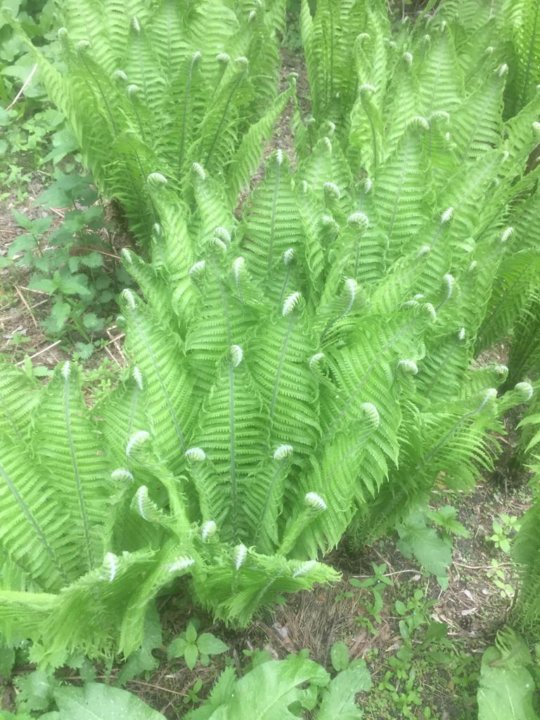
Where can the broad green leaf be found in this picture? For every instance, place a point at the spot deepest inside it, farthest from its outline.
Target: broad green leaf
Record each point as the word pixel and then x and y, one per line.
pixel 101 702
pixel 433 552
pixel 506 685
pixel 446 517
pixel 43 284
pixel 339 699
pixel 267 692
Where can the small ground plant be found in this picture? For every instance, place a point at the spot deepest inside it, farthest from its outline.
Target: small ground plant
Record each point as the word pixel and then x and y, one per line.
pixel 70 261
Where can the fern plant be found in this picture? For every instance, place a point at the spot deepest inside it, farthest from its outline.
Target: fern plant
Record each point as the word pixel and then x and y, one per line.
pixel 527 611
pixel 306 366
pixel 521 22
pixel 274 398
pixel 150 87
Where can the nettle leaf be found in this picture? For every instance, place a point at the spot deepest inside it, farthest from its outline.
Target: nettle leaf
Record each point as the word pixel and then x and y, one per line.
pixel 58 317
pixel 36 227
pixel 177 648
pixel 44 284
pixel 102 702
pixel 446 517
pixel 21 244
pixel 92 260
pixel 93 322
pixel 74 285
pixel 211 645
pixel 36 690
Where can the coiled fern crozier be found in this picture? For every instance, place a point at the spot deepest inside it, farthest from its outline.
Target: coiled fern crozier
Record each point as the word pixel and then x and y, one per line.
pixel 304 365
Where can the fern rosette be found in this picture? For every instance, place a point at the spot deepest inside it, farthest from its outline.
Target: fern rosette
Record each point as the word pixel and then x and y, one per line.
pixel 304 364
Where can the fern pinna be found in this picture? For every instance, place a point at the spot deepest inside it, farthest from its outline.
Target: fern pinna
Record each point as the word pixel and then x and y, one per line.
pixel 152 85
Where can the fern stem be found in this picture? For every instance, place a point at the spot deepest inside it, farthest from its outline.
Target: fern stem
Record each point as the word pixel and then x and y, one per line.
pixel 279 370
pixel 102 93
pixel 232 455
pixel 373 131
pixel 295 529
pixel 187 95
pixel 223 116
pixel 266 505
pixel 273 221
pixel 530 55
pixel 76 474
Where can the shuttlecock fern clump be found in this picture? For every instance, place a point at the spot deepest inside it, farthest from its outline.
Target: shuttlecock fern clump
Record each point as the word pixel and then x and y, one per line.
pixel 93 530
pixel 280 391
pixel 304 366
pixel 448 73
pixel 150 87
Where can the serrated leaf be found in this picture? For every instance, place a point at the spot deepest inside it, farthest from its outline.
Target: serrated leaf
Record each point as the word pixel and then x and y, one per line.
pixel 211 645
pixel 92 260
pixel 43 284
pixel 446 517
pixel 177 648
pixel 339 700
pixel 93 322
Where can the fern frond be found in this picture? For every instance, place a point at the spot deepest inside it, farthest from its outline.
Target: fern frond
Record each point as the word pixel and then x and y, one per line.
pixel 169 400
pixel 233 433
pixel 19 397
pixel 36 531
pixel 71 457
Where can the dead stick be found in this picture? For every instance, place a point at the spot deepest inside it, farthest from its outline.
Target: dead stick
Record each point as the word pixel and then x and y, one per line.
pixel 37 292
pixel 111 355
pixel 41 302
pixel 157 687
pixel 49 347
pixel 26 305
pixel 25 84
pixel 116 344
